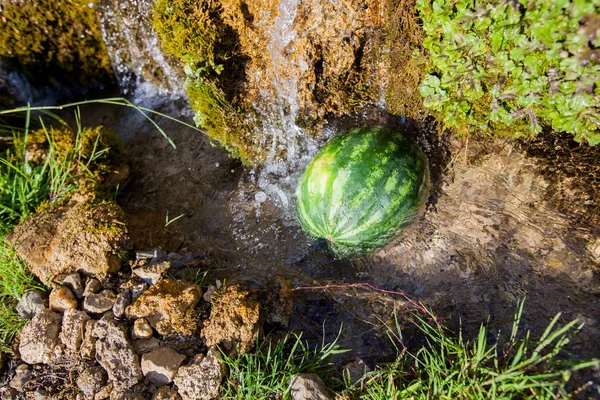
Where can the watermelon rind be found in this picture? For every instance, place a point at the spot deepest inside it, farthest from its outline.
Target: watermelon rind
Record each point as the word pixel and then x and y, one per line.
pixel 361 189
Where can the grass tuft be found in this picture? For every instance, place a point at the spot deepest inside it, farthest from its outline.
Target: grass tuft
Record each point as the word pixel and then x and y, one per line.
pixel 265 372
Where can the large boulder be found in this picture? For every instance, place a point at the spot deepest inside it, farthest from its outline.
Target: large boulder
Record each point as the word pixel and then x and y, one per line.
pixel 169 307
pixel 84 234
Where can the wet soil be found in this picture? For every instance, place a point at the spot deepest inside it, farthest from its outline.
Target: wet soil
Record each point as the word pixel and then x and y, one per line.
pixel 493 232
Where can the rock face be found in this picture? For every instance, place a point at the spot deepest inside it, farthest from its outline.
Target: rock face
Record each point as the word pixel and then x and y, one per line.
pixel 39 339
pixel 83 235
pixel 308 386
pixel 116 354
pixel 201 379
pixel 160 366
pixel 169 307
pixel 234 319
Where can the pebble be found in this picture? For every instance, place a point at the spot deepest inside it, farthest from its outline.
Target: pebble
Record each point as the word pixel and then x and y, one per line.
pixel 98 303
pixel 141 329
pixel 62 299
pixel 75 284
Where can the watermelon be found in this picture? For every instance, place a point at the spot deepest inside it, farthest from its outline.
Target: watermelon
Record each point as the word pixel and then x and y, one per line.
pixel 360 190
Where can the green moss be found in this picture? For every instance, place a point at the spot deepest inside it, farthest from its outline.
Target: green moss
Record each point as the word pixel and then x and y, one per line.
pixel 64 35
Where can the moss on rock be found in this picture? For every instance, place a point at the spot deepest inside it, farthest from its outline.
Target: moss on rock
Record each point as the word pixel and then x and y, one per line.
pixel 61 35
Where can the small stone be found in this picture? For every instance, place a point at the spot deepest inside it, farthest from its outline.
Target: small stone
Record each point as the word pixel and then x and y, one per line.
pixel 87 350
pixel 105 392
pixel 91 380
pixel 62 299
pixel 75 284
pixel 41 394
pixel 308 386
pixel 201 379
pixel 169 307
pixel 92 286
pixel 355 370
pixel 30 304
pixel 73 328
pixel 122 302
pixel 8 393
pixel 98 303
pixel 137 290
pixel 166 393
pixel 22 376
pixel 143 346
pixel 160 366
pixel 594 248
pixel 152 273
pixel 209 294
pixel 39 342
pixel 234 319
pixel 116 355
pixel 141 329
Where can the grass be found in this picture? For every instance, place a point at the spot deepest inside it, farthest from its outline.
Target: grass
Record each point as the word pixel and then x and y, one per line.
pixel 265 372
pixel 449 367
pixel 445 366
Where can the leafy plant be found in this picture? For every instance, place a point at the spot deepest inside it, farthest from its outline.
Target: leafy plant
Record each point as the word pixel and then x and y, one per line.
pixel 509 67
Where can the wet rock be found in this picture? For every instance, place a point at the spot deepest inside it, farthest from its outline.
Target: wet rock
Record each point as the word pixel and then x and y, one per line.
pixel 84 234
pixel 141 329
pixel 98 303
pixel 169 307
pixel 75 284
pixel 234 318
pixel 278 303
pixel 152 273
pixel 30 304
pixel 92 286
pixel 308 386
pixel 143 346
pixel 39 339
pixel 355 370
pixel 160 366
pixel 73 328
pixel 166 393
pixel 201 379
pixel 23 374
pixel 91 380
pixel 87 350
pixel 62 299
pixel 116 355
pixel 594 248
pixel 122 302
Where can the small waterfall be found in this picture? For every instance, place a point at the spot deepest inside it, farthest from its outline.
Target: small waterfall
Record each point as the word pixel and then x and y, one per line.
pixel 134 48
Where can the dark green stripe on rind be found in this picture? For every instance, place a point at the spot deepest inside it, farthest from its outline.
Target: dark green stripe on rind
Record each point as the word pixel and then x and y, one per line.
pixel 360 189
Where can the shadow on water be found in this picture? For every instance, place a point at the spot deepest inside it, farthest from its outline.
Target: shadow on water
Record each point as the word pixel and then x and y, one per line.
pixel 488 237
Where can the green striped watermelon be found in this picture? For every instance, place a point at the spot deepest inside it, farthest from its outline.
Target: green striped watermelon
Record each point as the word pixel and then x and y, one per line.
pixel 360 190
